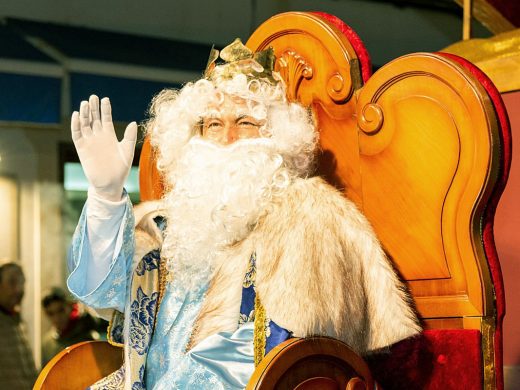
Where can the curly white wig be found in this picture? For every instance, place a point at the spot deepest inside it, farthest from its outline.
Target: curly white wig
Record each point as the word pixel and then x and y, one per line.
pixel 175 117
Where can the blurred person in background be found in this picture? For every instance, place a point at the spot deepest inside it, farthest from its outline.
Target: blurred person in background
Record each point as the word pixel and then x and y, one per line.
pixel 17 369
pixel 69 324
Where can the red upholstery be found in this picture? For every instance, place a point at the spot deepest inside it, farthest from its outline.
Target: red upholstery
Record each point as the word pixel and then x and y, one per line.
pixel 436 360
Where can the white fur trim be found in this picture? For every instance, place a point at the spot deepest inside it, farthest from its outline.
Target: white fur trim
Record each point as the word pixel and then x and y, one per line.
pixel 321 271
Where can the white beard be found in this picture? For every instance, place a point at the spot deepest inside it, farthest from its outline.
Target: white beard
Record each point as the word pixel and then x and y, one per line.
pixel 218 194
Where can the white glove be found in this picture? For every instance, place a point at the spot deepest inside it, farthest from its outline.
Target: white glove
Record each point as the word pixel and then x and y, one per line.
pixel 105 161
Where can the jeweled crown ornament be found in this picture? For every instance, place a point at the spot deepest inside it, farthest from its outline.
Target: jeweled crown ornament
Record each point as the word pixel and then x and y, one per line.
pixel 237 58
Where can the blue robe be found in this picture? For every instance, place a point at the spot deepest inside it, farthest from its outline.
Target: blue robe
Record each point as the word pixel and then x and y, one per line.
pixel 159 328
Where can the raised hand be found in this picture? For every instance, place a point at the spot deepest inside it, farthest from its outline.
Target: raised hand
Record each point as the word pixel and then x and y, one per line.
pixel 105 161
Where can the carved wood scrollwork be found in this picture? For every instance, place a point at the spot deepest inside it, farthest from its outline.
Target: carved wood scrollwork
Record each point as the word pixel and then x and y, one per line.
pixel 293 68
pixel 371 119
pixel 356 383
pixel 339 89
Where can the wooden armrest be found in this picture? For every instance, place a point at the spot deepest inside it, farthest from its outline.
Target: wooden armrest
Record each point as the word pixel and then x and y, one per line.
pixel 79 366
pixel 312 363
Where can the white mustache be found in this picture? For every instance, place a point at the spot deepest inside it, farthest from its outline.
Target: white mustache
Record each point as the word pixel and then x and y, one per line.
pixel 260 142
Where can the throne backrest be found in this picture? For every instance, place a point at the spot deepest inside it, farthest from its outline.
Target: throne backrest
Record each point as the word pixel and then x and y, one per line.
pixel 422 148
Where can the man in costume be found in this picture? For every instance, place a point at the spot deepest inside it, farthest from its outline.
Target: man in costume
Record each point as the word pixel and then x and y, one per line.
pixel 244 250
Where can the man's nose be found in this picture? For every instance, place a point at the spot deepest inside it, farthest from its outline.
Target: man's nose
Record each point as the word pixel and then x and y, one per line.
pixel 231 134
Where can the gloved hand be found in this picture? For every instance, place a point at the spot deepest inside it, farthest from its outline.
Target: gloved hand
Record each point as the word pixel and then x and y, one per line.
pixel 105 161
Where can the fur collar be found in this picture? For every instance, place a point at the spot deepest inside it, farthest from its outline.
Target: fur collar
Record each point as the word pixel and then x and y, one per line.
pixel 320 271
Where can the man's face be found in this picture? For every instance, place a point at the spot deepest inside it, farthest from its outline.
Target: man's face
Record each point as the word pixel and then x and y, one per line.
pixel 230 122
pixel 12 283
pixel 58 313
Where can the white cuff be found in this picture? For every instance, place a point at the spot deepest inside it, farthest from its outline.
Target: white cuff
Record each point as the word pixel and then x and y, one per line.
pixel 101 208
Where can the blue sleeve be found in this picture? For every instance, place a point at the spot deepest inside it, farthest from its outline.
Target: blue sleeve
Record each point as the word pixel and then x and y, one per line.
pixel 102 283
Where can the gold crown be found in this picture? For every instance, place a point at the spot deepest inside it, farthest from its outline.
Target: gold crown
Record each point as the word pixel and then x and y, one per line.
pixel 240 59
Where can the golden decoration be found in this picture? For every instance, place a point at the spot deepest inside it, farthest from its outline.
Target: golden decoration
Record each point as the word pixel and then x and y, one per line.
pixel 488 329
pixel 259 332
pixel 163 280
pixel 239 59
pixel 113 320
pixel 498 57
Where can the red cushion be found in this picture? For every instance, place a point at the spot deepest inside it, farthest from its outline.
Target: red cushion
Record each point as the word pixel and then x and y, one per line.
pixel 440 359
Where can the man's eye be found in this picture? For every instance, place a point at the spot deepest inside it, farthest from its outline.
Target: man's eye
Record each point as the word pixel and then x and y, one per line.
pixel 213 125
pixel 248 123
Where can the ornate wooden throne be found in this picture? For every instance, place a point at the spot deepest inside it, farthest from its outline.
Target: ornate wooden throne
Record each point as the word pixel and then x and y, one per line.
pixel 423 148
